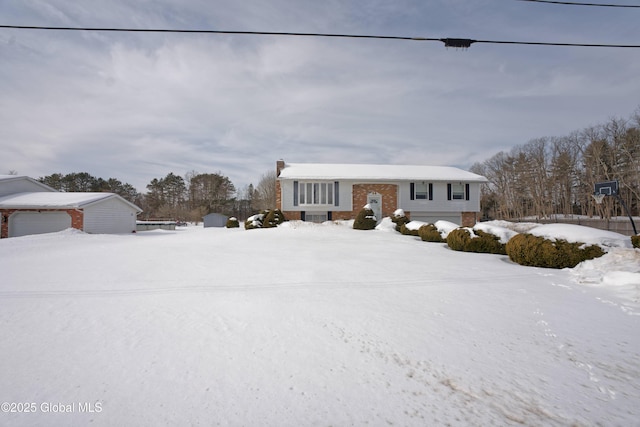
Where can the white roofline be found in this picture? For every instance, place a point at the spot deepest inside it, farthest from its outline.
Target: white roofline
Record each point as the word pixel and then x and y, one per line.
pixel 28 178
pixel 378 173
pixel 21 200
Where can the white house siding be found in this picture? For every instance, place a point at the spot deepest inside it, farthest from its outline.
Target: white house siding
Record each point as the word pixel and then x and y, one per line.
pixel 26 223
pixel 440 203
pixel 109 216
pixel 440 207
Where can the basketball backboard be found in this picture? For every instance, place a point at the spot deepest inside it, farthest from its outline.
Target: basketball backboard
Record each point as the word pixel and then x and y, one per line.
pixel 608 188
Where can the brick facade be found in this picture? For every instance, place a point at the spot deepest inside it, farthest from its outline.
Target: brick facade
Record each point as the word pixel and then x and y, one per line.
pixel 469 219
pixel 77 218
pixel 389 194
pixel 279 167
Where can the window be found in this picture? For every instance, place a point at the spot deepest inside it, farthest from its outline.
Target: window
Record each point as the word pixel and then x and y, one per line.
pixel 457 191
pixel 421 190
pixel 316 217
pixel 313 193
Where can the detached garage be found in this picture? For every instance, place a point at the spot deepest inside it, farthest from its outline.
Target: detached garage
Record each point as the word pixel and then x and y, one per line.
pixel 47 212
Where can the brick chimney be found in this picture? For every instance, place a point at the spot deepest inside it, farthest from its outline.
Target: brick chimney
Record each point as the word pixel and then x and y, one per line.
pixel 279 167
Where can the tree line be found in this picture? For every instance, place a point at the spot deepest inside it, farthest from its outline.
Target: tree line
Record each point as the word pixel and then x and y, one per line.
pixel 556 175
pixel 174 197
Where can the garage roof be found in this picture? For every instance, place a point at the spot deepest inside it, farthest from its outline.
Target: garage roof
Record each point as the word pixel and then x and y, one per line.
pixel 49 200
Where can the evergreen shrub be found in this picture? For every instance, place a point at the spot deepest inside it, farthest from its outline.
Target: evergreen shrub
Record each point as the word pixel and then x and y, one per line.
pixel 407 231
pixel 399 219
pixel 635 241
pixel 530 250
pixel 457 239
pixel 460 240
pixel 429 233
pixel 273 218
pixel 365 220
pixel 254 221
pixel 232 222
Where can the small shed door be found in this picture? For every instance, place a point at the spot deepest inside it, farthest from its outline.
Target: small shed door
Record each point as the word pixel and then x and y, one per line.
pixel 375 201
pixel 25 223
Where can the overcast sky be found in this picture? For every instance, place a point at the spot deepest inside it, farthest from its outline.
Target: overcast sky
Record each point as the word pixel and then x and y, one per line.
pixel 136 106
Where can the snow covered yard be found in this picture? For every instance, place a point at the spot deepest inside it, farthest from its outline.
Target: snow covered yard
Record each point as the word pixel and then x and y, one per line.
pixel 310 325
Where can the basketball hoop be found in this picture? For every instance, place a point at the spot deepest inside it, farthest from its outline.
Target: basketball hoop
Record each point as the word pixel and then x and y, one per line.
pixel 599 197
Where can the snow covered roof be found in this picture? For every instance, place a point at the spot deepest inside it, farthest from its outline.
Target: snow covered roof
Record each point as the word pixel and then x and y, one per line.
pixel 377 172
pixel 7 178
pixel 56 200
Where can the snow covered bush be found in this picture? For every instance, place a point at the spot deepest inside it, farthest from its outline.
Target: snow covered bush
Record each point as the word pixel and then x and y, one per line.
pixel 462 239
pixel 530 250
pixel 365 220
pixel 407 231
pixel 635 241
pixel 232 222
pixel 254 221
pixel 273 218
pixel 399 219
pixel 429 233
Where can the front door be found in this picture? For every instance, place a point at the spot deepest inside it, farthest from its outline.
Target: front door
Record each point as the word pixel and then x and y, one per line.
pixel 375 201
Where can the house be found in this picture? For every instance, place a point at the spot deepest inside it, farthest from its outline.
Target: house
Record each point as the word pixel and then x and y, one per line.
pixel 214 220
pixel 320 192
pixel 29 207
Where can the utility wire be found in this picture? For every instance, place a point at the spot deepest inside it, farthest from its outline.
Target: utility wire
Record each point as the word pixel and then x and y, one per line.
pixel 448 42
pixel 582 4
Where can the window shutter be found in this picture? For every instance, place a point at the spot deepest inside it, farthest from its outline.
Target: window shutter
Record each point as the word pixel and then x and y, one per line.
pixel 430 191
pixel 448 191
pixel 329 216
pixel 412 191
pixel 302 215
pixel 336 194
pixel 295 193
pixel 466 191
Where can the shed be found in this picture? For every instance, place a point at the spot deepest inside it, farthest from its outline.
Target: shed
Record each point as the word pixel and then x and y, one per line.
pixel 215 220
pixel 46 212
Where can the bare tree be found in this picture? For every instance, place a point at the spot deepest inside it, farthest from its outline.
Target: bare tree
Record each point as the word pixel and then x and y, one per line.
pixel 265 197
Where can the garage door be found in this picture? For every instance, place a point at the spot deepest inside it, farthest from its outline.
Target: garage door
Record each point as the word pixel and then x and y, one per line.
pixel 433 217
pixel 25 223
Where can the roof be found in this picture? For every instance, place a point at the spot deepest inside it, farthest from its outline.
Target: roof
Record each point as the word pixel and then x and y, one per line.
pixel 367 172
pixel 51 200
pixel 6 178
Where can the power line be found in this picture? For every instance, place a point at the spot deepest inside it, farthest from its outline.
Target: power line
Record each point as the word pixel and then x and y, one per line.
pixel 448 42
pixel 582 4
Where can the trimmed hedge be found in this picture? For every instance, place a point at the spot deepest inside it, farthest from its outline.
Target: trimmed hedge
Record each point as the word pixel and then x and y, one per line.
pixel 408 232
pixel 365 220
pixel 530 250
pixel 254 221
pixel 399 220
pixel 233 223
pixel 273 218
pixel 265 219
pixel 429 233
pixel 460 240
pixel 635 241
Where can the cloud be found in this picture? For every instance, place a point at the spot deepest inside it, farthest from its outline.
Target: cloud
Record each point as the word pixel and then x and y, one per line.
pixel 138 106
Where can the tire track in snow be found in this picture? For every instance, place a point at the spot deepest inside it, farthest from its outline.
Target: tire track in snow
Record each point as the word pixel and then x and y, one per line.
pixel 253 287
